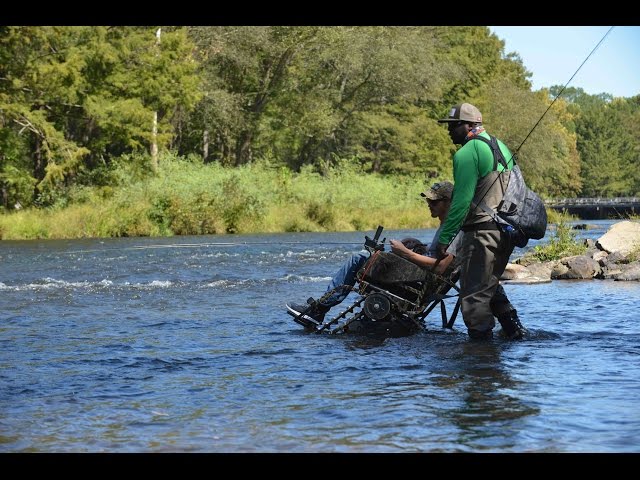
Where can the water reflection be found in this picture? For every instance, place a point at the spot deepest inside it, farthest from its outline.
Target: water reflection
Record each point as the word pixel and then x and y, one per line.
pixel 365 342
pixel 489 410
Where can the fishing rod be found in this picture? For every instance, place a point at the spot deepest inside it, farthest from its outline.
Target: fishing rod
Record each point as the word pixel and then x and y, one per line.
pixel 562 89
pixel 513 155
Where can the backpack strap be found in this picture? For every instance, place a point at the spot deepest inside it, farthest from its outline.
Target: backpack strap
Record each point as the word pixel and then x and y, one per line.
pixel 498 157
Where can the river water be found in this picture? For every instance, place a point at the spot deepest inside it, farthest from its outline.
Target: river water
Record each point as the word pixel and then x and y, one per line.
pixel 182 344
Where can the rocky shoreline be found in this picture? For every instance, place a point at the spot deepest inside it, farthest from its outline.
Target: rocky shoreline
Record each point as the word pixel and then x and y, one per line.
pixel 614 256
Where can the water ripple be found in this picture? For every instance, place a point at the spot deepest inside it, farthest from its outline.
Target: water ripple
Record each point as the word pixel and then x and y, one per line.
pixel 190 350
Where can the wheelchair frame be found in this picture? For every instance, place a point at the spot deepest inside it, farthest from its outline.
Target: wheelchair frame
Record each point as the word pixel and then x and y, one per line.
pixel 389 304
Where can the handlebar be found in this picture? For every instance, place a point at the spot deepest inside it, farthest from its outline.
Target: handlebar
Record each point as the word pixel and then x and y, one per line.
pixel 372 244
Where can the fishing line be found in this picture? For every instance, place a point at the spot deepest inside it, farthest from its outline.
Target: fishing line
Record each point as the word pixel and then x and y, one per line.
pixel 200 245
pixel 562 89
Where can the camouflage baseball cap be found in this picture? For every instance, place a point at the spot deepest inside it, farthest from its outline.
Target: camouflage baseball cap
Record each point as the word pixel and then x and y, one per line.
pixel 464 112
pixel 439 191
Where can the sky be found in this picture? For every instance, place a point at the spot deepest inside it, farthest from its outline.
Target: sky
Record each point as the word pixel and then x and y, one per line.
pixel 554 53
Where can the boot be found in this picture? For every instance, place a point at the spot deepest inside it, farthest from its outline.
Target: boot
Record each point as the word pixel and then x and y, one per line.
pixel 480 334
pixel 511 326
pixel 315 312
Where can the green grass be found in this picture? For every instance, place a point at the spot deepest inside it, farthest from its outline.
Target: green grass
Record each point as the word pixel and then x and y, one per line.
pixel 554 216
pixel 189 198
pixel 562 243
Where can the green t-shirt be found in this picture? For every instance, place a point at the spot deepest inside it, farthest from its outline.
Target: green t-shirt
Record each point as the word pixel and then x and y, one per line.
pixel 472 162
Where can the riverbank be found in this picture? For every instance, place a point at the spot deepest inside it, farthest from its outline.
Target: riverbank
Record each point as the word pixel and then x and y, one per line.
pixel 613 256
pixel 189 198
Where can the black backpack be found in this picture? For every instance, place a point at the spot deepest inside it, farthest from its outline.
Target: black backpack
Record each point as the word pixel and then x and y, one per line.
pixel 521 212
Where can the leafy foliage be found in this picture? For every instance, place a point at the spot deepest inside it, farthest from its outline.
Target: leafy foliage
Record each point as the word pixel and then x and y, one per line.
pixel 561 244
pixel 80 95
pixel 548 157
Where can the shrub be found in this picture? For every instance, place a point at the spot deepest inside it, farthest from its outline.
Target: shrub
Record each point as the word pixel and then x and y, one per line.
pixel 561 244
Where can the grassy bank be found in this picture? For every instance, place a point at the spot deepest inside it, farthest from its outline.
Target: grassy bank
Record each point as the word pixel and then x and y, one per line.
pixel 189 198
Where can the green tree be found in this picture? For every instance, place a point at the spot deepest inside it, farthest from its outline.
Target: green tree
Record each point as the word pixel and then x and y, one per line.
pixel 312 95
pixel 548 158
pixel 400 138
pixel 34 88
pixel 79 95
pixel 474 57
pixel 609 150
pixel 244 69
pixel 353 93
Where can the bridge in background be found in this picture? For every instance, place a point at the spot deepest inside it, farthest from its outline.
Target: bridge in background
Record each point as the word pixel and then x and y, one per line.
pixel 597 208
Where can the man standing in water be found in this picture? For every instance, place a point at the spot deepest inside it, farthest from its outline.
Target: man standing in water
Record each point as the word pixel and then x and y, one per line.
pixel 438 198
pixel 485 249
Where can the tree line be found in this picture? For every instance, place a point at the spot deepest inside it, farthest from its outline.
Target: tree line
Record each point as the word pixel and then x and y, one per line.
pixel 78 101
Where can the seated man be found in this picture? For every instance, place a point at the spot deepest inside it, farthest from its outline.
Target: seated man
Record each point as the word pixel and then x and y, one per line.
pixel 438 198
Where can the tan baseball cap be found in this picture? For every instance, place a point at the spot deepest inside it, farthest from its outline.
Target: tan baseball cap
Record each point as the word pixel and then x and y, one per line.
pixel 464 112
pixel 439 191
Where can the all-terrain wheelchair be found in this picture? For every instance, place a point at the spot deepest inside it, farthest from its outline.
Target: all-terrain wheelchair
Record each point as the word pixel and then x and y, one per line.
pixel 395 297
